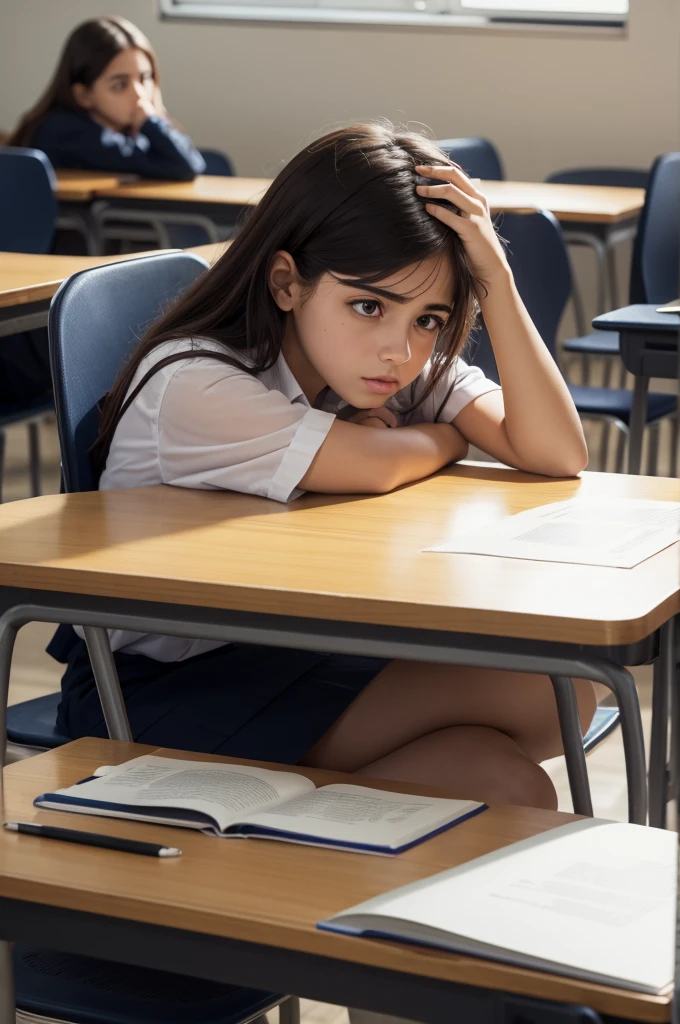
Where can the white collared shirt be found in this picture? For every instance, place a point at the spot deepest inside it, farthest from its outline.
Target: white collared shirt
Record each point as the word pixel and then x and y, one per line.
pixel 202 423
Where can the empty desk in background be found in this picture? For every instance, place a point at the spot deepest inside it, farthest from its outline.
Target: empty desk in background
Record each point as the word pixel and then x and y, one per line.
pixel 607 207
pixel 649 348
pixel 28 281
pixel 348 574
pixel 245 912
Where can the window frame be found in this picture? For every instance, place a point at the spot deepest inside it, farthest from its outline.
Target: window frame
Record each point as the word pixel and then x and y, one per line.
pixel 436 14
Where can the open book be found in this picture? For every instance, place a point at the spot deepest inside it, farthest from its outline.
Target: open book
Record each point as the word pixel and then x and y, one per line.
pixel 230 800
pixel 593 900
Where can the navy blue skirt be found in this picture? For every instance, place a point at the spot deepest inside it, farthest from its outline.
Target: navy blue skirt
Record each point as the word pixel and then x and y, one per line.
pixel 263 703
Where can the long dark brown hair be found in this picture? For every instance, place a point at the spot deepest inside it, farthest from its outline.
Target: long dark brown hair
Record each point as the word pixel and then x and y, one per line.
pixel 87 52
pixel 345 205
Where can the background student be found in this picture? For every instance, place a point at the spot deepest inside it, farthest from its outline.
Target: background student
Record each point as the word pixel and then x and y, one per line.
pixel 103 109
pixel 342 305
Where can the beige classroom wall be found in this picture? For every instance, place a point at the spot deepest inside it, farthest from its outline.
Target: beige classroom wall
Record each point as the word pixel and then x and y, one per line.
pixel 548 100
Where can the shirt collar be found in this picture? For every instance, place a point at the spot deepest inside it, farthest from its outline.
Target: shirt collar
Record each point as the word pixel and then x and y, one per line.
pixel 285 382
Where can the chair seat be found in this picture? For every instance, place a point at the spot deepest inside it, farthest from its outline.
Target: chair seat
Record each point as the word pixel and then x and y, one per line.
pixel 33 723
pixel 85 990
pixel 605 720
pixel 619 403
pixel 599 343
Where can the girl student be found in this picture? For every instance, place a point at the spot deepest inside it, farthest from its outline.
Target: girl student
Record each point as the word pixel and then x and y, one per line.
pixel 103 109
pixel 339 312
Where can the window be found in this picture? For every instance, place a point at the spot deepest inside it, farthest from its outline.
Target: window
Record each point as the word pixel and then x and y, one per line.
pixel 475 13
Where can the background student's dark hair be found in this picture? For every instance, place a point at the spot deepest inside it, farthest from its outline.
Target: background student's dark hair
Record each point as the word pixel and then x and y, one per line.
pixel 346 205
pixel 87 52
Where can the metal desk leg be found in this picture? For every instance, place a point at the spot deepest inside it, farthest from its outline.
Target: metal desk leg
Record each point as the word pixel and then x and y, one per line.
pixel 664 675
pixel 572 740
pixel 108 685
pixel 638 418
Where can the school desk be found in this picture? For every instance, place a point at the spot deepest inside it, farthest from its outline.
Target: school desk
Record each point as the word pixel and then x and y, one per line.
pixel 245 912
pixel 28 281
pixel 348 574
pixel 648 346
pixel 607 211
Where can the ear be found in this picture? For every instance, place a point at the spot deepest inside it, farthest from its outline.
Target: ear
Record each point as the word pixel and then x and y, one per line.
pixel 283 280
pixel 82 95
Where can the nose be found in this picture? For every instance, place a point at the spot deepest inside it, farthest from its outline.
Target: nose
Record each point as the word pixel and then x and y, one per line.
pixel 396 349
pixel 139 89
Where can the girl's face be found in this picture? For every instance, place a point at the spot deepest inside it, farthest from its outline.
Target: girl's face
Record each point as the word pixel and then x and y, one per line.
pixel 115 97
pixel 366 344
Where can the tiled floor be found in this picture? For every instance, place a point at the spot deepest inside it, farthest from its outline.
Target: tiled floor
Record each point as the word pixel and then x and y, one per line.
pixel 34 673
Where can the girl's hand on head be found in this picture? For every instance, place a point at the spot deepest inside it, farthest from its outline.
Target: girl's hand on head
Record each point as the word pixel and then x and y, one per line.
pixel 473 224
pixel 381 418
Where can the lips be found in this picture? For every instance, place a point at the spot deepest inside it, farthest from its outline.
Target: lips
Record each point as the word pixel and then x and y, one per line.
pixel 381 385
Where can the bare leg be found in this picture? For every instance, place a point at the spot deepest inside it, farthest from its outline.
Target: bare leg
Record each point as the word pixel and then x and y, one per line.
pixel 480 733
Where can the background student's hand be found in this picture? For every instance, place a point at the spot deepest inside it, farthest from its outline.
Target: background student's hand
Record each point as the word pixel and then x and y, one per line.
pixel 381 418
pixel 473 225
pixel 158 104
pixel 145 108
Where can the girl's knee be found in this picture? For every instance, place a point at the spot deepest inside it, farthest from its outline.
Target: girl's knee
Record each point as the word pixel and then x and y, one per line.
pixel 525 784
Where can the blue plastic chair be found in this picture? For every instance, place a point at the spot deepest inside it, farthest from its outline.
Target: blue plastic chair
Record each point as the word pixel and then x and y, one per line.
pixel 28 204
pixel 95 321
pixel 539 260
pixel 598 343
pixel 478 157
pixel 121 300
pixel 28 211
pixel 655 269
pixel 217 163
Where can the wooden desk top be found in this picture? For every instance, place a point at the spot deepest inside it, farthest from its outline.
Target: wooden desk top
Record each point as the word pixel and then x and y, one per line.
pixel 30 277
pixel 356 559
pixel 593 203
pixel 81 186
pixel 277 892
pixel 206 188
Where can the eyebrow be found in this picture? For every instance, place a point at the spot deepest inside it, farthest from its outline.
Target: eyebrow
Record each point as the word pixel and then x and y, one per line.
pixel 121 74
pixel 402 300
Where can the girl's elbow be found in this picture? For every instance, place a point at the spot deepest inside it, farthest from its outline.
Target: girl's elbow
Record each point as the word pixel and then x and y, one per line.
pixel 571 466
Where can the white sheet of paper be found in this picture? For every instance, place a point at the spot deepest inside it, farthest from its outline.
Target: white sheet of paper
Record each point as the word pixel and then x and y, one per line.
pixel 620 534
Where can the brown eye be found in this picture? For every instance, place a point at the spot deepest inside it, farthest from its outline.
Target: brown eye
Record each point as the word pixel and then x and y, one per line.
pixel 366 307
pixel 429 322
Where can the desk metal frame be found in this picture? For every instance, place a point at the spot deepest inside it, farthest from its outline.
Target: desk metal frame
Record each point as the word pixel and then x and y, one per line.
pixel 561 662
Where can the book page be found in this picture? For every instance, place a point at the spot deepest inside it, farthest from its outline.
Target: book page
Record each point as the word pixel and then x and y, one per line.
pixel 359 815
pixel 594 896
pixel 224 792
pixel 618 534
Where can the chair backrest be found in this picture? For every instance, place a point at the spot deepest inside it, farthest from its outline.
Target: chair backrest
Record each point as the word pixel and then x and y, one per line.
pixel 614 177
pixel 478 157
pixel 28 205
pixel 217 162
pixel 95 320
pixel 655 270
pixel 538 256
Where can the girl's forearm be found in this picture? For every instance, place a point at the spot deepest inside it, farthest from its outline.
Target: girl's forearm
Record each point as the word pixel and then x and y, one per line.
pixel 359 459
pixel 541 422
